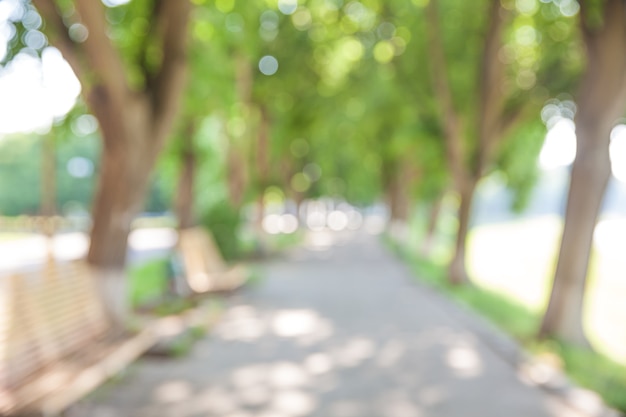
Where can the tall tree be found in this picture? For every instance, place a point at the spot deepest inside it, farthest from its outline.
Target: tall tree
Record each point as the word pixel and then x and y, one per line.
pixel 601 102
pixel 132 84
pixel 468 160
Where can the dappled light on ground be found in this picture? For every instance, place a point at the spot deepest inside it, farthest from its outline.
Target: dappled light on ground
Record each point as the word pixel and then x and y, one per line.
pixel 345 336
pixel 464 361
pixel 244 323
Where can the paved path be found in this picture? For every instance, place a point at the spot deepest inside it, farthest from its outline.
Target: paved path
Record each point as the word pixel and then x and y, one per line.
pixel 336 330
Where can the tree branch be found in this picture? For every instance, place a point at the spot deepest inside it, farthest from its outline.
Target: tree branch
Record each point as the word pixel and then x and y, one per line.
pixel 103 59
pixel 583 15
pixel 450 118
pixel 492 99
pixel 148 73
pixel 59 36
pixel 171 78
pixel 510 119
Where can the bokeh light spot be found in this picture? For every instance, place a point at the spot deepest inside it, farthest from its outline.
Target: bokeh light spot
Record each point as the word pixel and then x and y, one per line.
pixel 78 32
pixel 84 125
pixel 79 167
pixel 302 19
pixel 234 22
pixel 300 182
pixel 383 52
pixel 268 65
pixel 287 6
pixel 225 6
pixel 299 147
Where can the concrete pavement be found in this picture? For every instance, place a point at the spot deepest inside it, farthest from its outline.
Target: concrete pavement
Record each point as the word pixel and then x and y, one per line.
pixel 337 328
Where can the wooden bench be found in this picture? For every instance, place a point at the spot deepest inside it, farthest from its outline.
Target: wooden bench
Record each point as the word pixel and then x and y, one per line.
pixel 204 266
pixel 56 343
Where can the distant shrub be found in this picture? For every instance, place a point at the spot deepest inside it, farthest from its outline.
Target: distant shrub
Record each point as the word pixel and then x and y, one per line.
pixel 223 221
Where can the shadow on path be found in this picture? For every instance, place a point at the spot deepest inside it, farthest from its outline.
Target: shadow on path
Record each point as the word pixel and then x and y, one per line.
pixel 336 329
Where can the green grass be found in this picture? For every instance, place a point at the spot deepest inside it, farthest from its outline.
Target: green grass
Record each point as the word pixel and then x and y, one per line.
pixel 282 242
pixel 250 246
pixel 506 313
pixel 172 306
pixel 596 372
pixel 148 282
pixel 149 288
pixel 587 368
pixel 183 344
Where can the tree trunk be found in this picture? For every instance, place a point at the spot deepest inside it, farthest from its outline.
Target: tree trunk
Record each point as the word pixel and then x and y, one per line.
pixel 134 122
pixel 398 198
pixel 186 181
pixel 399 204
pixel 431 227
pixel 131 146
pixel 600 104
pixel 48 177
pixel 589 178
pixel 237 176
pixel 119 198
pixel 262 170
pixel 457 272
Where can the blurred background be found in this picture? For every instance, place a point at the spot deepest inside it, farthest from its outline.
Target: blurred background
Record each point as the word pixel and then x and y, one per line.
pixel 484 141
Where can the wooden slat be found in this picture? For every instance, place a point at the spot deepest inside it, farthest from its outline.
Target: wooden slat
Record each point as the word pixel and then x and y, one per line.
pixel 50 314
pixel 205 268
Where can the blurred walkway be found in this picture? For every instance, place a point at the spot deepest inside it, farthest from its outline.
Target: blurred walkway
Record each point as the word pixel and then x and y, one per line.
pixel 338 329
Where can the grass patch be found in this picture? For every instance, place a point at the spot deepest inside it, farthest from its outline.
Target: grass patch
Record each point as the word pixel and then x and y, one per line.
pixel 173 306
pixel 597 372
pixel 148 282
pixel 253 247
pixel 504 312
pixel 183 344
pixel 282 242
pixel 587 368
pixel 254 277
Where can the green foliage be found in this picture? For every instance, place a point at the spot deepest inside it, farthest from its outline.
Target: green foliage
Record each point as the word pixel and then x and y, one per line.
pixel 21 165
pixel 518 162
pixel 19 176
pixel 223 221
pixel 20 173
pixel 148 282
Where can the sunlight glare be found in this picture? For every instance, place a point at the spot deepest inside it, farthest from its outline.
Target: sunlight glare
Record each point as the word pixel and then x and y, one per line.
pixel 36 91
pixel 291 323
pixel 465 361
pixel 559 147
pixel 288 375
pixel 318 363
pixel 618 152
pixel 114 3
pixel 173 391
pixel 294 403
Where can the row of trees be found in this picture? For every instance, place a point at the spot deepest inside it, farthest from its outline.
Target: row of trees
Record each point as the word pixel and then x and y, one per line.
pixel 361 99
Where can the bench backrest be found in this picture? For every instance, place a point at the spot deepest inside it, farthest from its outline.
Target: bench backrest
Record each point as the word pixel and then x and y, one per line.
pixel 204 265
pixel 46 315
